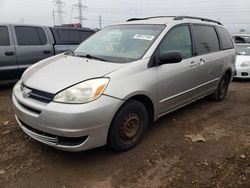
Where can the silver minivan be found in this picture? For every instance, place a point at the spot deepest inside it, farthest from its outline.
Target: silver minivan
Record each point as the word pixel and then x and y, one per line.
pixel 109 89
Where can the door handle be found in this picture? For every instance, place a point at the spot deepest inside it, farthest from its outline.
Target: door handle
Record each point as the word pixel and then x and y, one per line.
pixel 193 64
pixel 47 52
pixel 9 53
pixel 202 61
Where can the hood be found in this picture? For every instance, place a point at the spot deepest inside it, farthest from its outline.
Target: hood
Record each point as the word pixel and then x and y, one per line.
pixel 59 72
pixel 242 58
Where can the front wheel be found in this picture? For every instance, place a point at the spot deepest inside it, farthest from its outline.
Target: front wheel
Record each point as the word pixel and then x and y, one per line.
pixel 222 89
pixel 128 126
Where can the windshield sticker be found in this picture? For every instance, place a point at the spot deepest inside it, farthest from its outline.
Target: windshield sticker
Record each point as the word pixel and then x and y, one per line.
pixel 144 37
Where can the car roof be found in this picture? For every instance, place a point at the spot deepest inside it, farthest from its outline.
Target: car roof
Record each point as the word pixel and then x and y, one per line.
pixel 21 24
pixel 242 34
pixel 74 28
pixel 35 25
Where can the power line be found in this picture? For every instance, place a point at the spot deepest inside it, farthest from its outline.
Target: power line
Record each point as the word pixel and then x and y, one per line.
pixel 100 22
pixel 71 15
pixel 80 7
pixel 59 4
pixel 54 19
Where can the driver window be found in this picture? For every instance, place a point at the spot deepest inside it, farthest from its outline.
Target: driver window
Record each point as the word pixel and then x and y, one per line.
pixel 179 39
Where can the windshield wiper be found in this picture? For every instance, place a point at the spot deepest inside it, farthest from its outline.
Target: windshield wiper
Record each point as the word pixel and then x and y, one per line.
pixel 70 52
pixel 92 57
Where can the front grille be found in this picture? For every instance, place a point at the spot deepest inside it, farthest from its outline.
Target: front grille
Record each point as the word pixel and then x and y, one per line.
pixel 53 139
pixel 40 95
pixel 29 108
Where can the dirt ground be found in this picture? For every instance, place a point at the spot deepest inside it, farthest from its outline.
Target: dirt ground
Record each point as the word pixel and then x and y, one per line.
pixel 164 158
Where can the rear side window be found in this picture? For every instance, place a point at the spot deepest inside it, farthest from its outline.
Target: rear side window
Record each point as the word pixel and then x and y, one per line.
pixel 70 36
pixel 84 35
pixel 4 36
pixel 30 36
pixel 226 39
pixel 67 35
pixel 179 39
pixel 206 39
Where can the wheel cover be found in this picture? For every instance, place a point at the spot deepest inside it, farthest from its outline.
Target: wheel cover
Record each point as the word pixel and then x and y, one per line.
pixel 223 88
pixel 130 128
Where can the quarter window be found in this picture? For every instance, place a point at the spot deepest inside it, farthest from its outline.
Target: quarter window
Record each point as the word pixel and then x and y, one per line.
pixel 30 36
pixel 225 38
pixel 178 39
pixel 4 36
pixel 206 39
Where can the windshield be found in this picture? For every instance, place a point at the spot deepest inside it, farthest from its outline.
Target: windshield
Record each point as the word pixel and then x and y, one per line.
pixel 243 49
pixel 121 43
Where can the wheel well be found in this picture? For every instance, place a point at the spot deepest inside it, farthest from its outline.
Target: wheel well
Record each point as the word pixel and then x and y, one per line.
pixel 229 73
pixel 146 101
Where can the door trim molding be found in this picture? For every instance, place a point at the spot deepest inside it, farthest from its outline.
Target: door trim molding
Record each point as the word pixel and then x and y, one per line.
pixel 189 90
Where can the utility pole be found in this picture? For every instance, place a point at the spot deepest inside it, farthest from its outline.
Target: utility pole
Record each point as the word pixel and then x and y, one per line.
pixel 80 7
pixel 100 22
pixel 59 4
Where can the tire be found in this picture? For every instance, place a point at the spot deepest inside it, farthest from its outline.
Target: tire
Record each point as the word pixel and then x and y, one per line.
pixel 222 89
pixel 128 126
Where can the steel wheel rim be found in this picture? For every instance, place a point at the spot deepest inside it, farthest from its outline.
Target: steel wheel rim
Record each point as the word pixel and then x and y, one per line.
pixel 223 88
pixel 130 127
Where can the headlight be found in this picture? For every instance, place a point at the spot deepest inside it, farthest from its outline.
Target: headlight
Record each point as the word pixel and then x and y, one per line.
pixel 83 92
pixel 245 64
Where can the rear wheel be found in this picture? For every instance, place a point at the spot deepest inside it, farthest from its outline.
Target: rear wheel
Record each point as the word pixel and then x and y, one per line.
pixel 128 126
pixel 221 91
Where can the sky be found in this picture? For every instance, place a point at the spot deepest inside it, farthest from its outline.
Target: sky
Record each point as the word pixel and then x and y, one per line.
pixel 234 14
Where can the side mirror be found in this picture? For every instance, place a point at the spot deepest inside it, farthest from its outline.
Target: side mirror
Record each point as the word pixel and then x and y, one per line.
pixel 170 57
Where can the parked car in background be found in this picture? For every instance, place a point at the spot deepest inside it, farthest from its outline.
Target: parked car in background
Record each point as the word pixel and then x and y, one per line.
pixel 243 61
pixel 24 45
pixel 241 38
pixel 109 89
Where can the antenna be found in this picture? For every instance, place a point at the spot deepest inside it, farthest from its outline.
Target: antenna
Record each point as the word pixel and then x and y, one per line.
pixel 81 7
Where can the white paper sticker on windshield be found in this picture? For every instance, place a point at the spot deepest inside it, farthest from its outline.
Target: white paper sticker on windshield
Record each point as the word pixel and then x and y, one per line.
pixel 144 37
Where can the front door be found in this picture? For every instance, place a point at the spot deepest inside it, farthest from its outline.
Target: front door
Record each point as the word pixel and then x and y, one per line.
pixel 8 64
pixel 178 83
pixel 32 45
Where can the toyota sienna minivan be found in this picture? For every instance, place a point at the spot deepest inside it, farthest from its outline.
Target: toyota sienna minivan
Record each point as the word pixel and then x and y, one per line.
pixel 109 89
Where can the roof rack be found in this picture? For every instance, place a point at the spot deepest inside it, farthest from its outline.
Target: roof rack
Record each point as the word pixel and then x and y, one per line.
pixel 176 18
pixel 197 18
pixel 146 18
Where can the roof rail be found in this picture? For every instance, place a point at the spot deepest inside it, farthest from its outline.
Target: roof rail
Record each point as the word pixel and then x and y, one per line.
pixel 197 18
pixel 146 18
pixel 176 18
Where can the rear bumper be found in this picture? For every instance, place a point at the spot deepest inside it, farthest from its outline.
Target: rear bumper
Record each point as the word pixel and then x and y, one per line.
pixel 56 124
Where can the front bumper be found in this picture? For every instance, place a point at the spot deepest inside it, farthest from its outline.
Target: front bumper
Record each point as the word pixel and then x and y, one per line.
pixel 242 72
pixel 70 127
